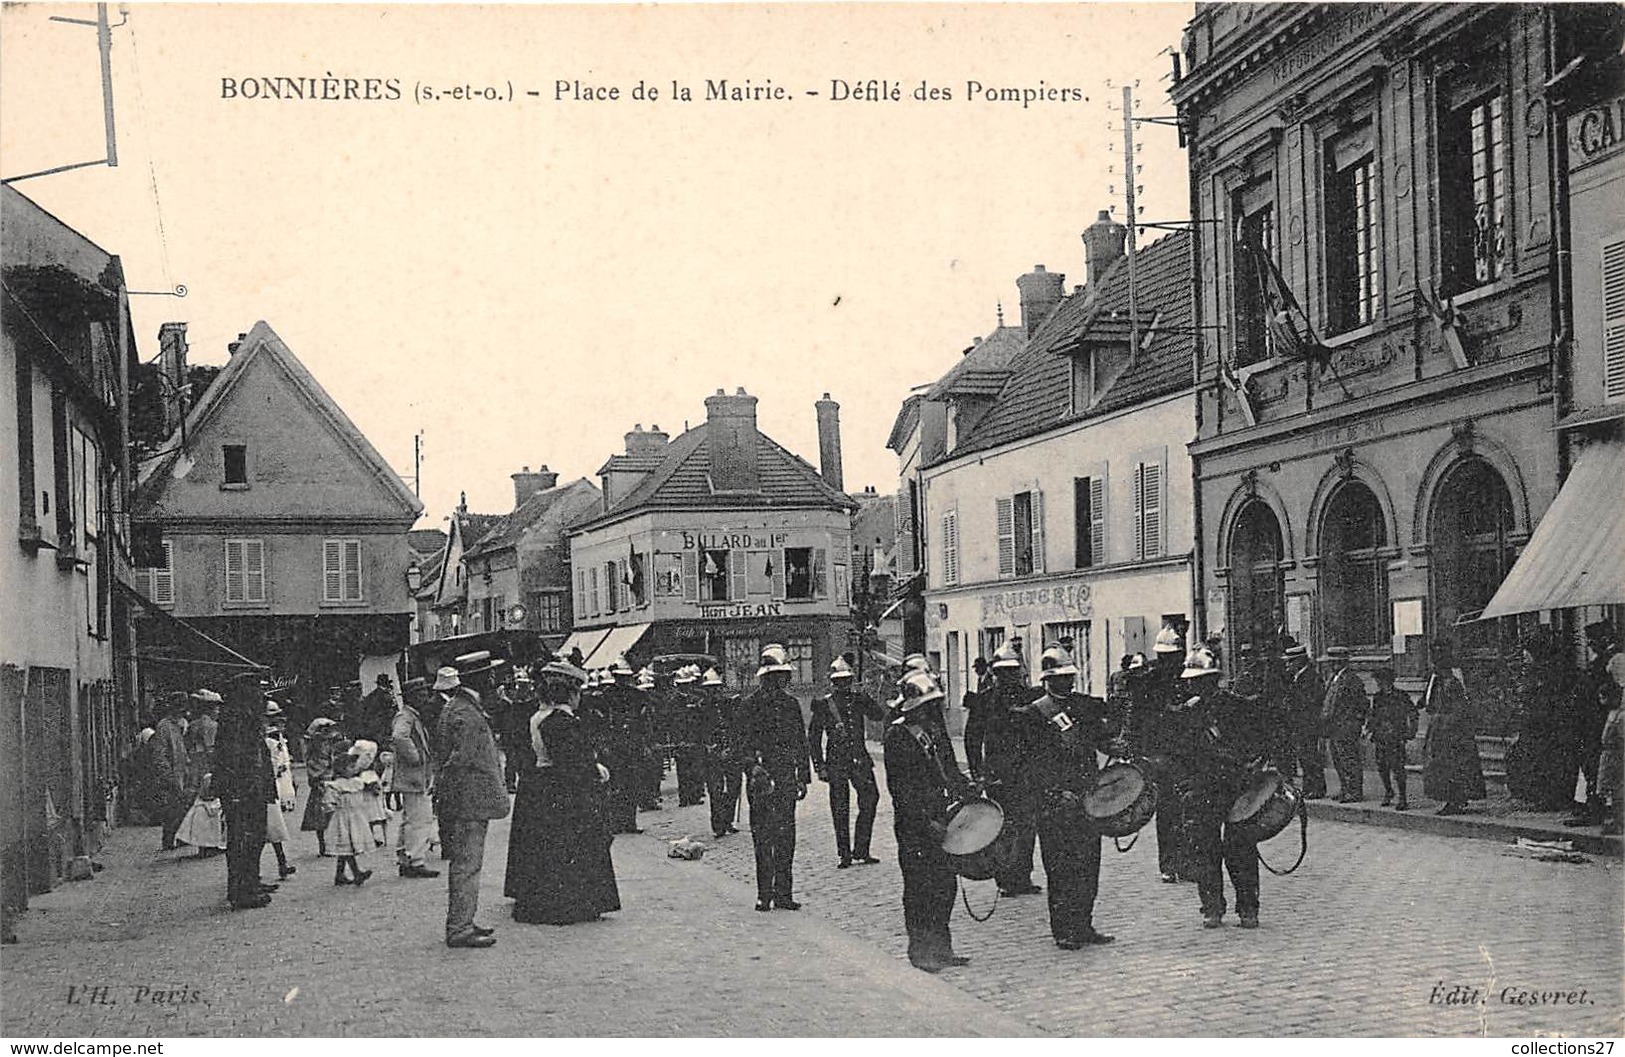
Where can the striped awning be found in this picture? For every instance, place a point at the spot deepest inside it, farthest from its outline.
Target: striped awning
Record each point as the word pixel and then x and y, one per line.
pixel 1576 556
pixel 585 641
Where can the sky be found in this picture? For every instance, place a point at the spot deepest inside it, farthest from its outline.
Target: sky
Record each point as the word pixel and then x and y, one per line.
pixel 524 280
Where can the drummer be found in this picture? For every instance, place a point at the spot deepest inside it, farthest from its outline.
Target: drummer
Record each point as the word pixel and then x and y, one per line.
pixel 1004 765
pixel 1216 744
pixel 1062 732
pixel 922 777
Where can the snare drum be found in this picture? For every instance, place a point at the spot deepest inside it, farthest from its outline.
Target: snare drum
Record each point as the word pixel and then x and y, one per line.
pixel 979 839
pixel 1265 808
pixel 1122 801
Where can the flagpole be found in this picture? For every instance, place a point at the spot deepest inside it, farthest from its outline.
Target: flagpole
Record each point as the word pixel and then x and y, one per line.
pixel 1129 176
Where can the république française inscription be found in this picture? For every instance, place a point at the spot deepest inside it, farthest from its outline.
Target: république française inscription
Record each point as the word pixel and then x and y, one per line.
pixel 331 88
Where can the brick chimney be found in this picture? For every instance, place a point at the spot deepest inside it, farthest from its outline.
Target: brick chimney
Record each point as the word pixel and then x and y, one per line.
pixel 527 483
pixel 731 437
pixel 1103 243
pixel 1041 291
pixel 652 442
pixel 829 442
pixel 172 368
pixel 233 346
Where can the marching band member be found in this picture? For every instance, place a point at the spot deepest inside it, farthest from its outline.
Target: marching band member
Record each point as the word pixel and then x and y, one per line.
pixel 685 720
pixel 1062 731
pixel 1004 764
pixel 775 744
pixel 922 777
pixel 837 718
pixel 715 729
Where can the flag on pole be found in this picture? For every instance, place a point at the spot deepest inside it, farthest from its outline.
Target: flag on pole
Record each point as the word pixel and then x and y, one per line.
pixel 1291 335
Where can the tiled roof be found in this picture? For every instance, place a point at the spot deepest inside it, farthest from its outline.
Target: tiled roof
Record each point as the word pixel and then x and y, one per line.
pixel 1037 397
pixel 682 481
pixel 908 416
pixel 426 541
pixel 984 367
pixel 631 463
pixel 506 530
pixel 475 526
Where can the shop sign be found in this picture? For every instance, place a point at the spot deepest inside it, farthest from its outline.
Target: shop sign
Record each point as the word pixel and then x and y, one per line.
pixel 1596 131
pixel 732 540
pixel 1042 603
pixel 739 610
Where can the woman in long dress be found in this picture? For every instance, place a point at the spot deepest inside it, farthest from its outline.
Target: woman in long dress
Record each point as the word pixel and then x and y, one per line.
pixel 559 866
pixel 1452 773
pixel 322 747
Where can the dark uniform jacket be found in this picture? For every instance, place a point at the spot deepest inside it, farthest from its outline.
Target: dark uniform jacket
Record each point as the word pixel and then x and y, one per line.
pixel 1306 694
pixel 1001 742
pixel 836 733
pixel 922 775
pixel 243 772
pixel 1345 707
pixel 1393 717
pixel 774 737
pixel 1060 736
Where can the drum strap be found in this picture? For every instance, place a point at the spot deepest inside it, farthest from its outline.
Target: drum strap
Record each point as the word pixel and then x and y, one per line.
pixel 1303 843
pixel 964 898
pixel 1121 847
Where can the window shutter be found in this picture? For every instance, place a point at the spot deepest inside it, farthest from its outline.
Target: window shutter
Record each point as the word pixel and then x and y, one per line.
pixel 820 574
pixel 843 591
pixel 774 560
pixel 950 548
pixel 580 600
pixel 1139 510
pixel 254 570
pixel 332 571
pixel 1097 520
pixel 1005 508
pixel 1613 320
pixel 352 570
pixel 163 578
pixel 691 576
pixel 1151 508
pixel 739 574
pixel 1037 540
pixel 234 571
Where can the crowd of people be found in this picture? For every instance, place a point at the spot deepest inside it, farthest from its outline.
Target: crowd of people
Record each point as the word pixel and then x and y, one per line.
pixel 581 753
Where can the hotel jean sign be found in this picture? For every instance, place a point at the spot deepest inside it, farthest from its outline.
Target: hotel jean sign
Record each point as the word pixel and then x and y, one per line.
pixel 1042 603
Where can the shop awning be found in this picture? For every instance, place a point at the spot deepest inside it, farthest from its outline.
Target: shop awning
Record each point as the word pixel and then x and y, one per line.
pixel 585 641
pixel 1576 556
pixel 223 656
pixel 615 645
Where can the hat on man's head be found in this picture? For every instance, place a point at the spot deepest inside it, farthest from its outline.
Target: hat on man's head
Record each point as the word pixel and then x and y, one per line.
pixel 1137 662
pixel 684 675
pixel 1336 653
pixel 1199 662
pixel 1056 661
pixel 273 710
pixel 447 679
pixel 919 689
pixel 712 678
pixel 318 725
pixel 1167 641
pixel 774 659
pixel 205 696
pixel 476 662
pixel 1297 649
pixel 563 670
pixel 1006 657
pixel 620 667
pixel 839 669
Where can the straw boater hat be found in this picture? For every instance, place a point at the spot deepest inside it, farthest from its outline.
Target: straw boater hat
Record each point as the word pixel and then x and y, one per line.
pixel 478 661
pixel 1336 653
pixel 206 697
pixel 447 678
pixel 563 670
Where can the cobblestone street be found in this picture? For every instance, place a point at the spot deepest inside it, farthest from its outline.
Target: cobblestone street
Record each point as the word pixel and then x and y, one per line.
pixel 1354 943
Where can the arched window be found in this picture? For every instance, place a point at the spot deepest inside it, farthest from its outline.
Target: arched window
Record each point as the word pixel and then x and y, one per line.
pixel 1353 579
pixel 1471 519
pixel 1255 576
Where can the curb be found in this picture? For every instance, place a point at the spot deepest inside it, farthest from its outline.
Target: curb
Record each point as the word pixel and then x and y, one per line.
pixel 1586 840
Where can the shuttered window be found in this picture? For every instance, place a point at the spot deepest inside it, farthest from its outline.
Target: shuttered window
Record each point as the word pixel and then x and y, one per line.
pixel 245 571
pixel 581 594
pixel 161 578
pixel 1148 510
pixel 1613 320
pixel 1089 521
pixel 341 570
pixel 950 548
pixel 1005 509
pixel 1035 541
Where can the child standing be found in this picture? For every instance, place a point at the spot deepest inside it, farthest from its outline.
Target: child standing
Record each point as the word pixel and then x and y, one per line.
pixel 349 829
pixel 1393 722
pixel 276 822
pixel 204 825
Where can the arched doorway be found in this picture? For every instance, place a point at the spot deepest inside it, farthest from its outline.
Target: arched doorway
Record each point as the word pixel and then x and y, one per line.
pixel 1256 603
pixel 1353 577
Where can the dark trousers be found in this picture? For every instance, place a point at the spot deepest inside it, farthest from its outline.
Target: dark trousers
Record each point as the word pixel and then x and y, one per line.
pixel 722 781
pixel 652 768
pixel 1214 849
pixel 842 780
pixel 1346 758
pixel 1391 765
pixel 1311 761
pixel 690 775
pixel 465 842
pixel 245 842
pixel 620 799
pixel 171 811
pixel 1072 868
pixel 1019 813
pixel 1170 837
pixel 773 832
pixel 929 886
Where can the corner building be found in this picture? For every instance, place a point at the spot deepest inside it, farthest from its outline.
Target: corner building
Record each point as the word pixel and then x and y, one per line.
pixel 1374 441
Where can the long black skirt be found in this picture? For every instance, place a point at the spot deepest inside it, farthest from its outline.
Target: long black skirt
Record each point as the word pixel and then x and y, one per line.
pixel 559 866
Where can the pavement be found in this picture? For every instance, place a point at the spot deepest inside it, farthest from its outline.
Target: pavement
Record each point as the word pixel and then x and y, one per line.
pixel 1379 933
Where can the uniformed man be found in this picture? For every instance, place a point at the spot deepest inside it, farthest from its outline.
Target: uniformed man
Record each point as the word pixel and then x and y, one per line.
pixel 1305 697
pixel 1154 694
pixel 1004 767
pixel 621 709
pixel 978 703
pixel 1342 715
pixel 1214 743
pixel 687 748
pixel 923 777
pixel 1062 731
pixel 651 755
pixel 775 745
pixel 840 757
pixel 714 731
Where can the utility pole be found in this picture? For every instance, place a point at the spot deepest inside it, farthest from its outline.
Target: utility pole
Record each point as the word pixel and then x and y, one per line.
pixel 104 42
pixel 1129 176
pixel 417 464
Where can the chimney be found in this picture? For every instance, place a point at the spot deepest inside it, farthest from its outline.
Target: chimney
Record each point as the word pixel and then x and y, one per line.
pixel 652 442
pixel 232 347
pixel 527 484
pixel 172 368
pixel 731 436
pixel 1041 291
pixel 1102 244
pixel 829 442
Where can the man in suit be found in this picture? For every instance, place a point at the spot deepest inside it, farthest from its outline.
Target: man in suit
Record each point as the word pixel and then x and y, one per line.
pixel 1342 715
pixel 1306 696
pixel 172 778
pixel 246 783
pixel 469 793
pixel 776 753
pixel 411 781
pixel 840 757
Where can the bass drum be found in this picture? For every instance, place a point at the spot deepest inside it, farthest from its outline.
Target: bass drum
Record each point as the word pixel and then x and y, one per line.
pixel 979 839
pixel 1265 807
pixel 1122 801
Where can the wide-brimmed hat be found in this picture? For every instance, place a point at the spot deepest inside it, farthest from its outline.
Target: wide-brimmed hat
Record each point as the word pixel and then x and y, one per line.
pixel 273 710
pixel 562 670
pixel 1056 661
pixel 476 662
pixel 1336 653
pixel 775 658
pixel 1199 662
pixel 205 696
pixel 685 675
pixel 1296 650
pixel 364 752
pixel 839 669
pixel 620 667
pixel 447 678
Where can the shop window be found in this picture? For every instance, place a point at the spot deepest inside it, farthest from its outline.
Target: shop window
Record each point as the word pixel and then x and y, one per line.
pixel 1255 245
pixel 1351 230
pixel 1473 178
pixel 1471 554
pixel 1255 575
pixel 1353 578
